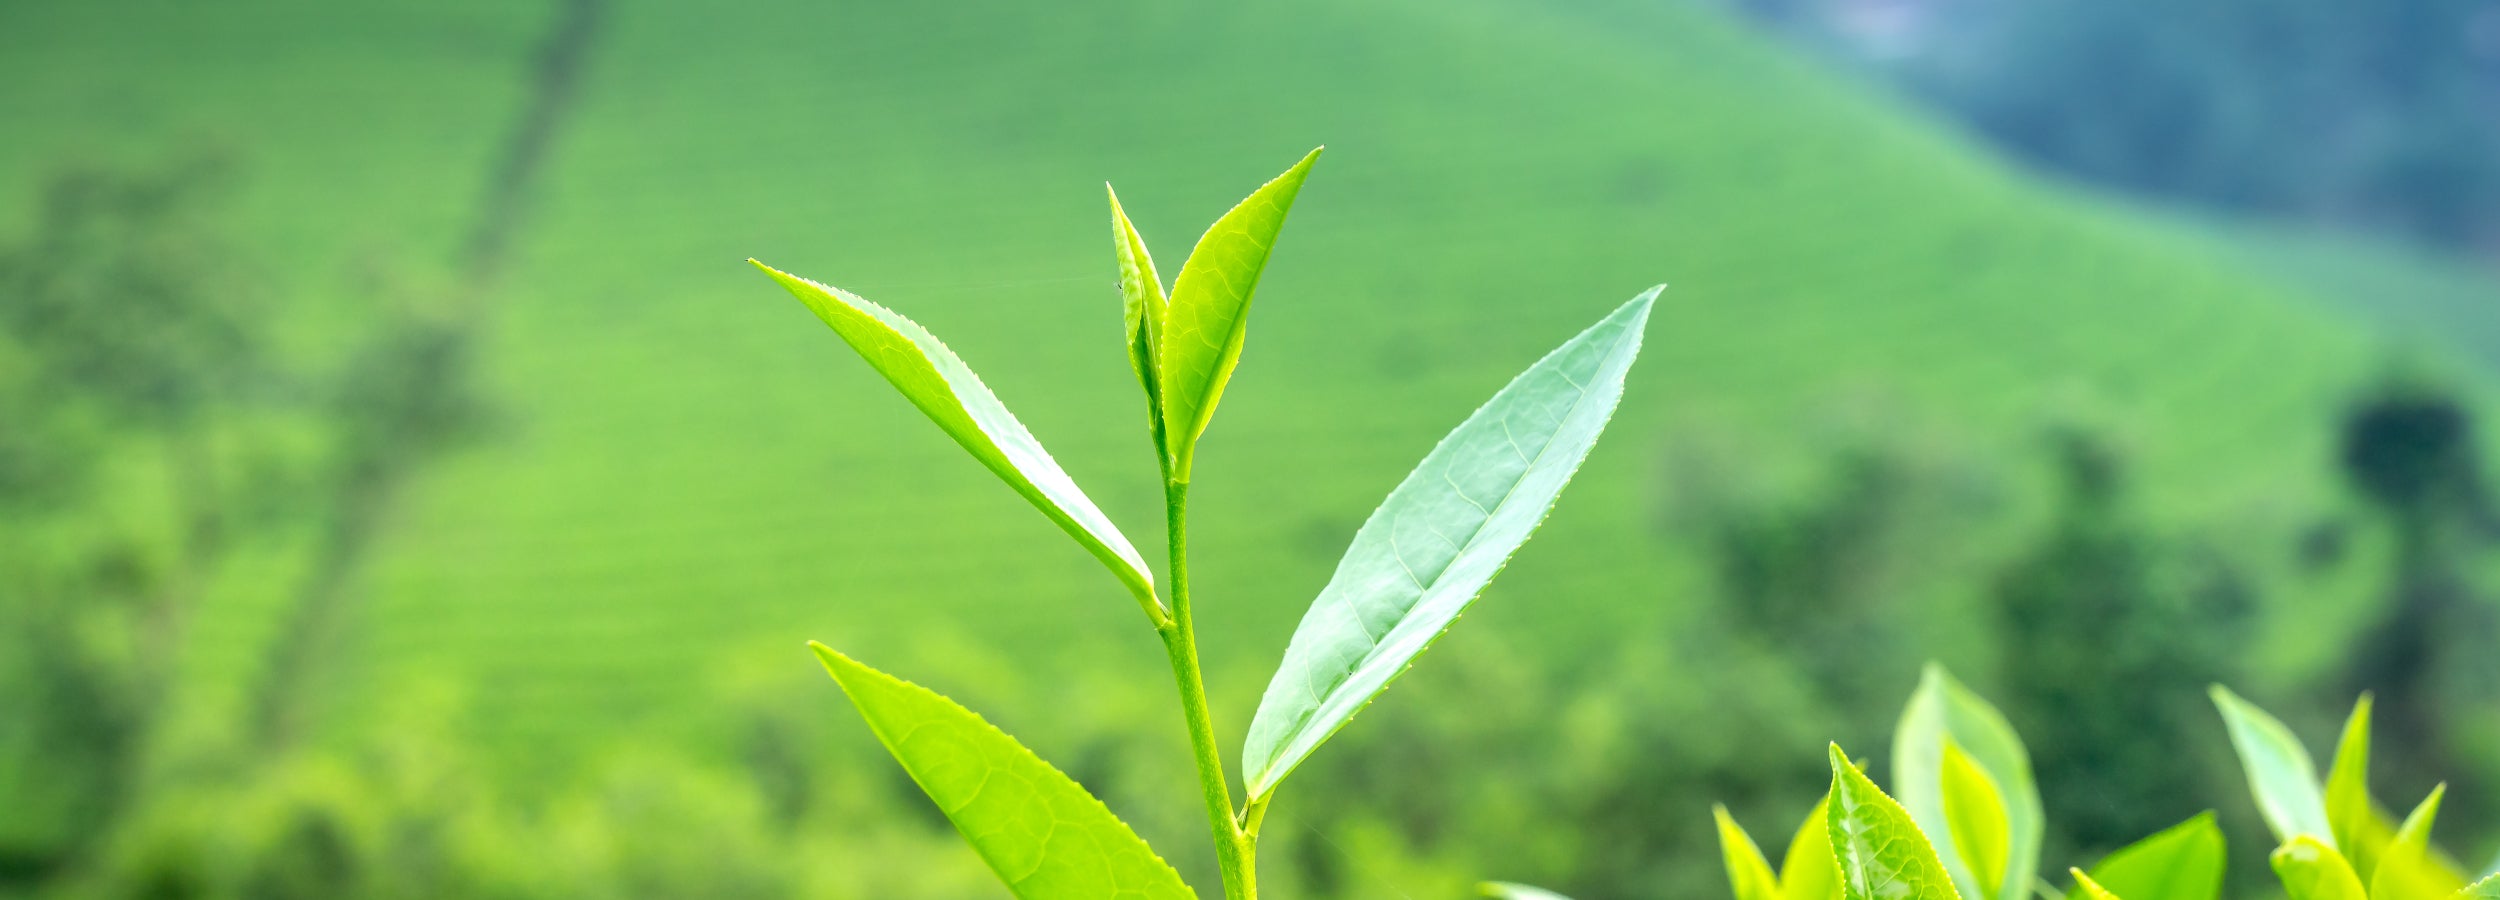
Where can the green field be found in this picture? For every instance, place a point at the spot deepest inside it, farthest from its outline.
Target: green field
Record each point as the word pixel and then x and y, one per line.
pixel 691 476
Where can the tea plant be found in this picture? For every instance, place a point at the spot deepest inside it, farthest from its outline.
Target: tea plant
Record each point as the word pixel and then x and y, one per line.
pixel 2336 843
pixel 1418 562
pixel 1968 823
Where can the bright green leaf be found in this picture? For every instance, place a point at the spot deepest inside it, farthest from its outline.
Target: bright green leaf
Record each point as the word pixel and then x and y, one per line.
pixel 2091 890
pixel 936 381
pixel 1439 538
pixel 1503 890
pixel 1808 871
pixel 1142 308
pixel 2279 771
pixel 1042 833
pixel 2311 870
pixel 1209 312
pixel 1974 813
pixel 1747 872
pixel 1943 712
pixel 2350 814
pixel 2404 871
pixel 1882 853
pixel 2182 862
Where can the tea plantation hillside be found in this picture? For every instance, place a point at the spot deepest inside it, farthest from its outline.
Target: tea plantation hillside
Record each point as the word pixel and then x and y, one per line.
pixel 690 475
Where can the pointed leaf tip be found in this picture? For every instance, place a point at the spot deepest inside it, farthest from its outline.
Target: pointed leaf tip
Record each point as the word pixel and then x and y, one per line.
pixel 1437 541
pixel 2279 771
pixel 935 380
pixel 1208 316
pixel 1882 853
pixel 1984 817
pixel 2182 862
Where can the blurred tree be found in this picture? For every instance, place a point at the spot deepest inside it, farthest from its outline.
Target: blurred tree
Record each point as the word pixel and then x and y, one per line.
pixel 2410 450
pixel 2109 638
pixel 130 364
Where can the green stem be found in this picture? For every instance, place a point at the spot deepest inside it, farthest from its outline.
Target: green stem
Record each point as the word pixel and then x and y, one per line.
pixel 1236 850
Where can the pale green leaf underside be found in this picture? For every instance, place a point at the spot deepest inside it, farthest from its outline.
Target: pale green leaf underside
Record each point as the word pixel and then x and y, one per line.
pixel 2280 774
pixel 1039 830
pixel 1503 890
pixel 1209 311
pixel 938 382
pixel 2182 862
pixel 1882 853
pixel 1438 539
pixel 1943 709
pixel 2311 870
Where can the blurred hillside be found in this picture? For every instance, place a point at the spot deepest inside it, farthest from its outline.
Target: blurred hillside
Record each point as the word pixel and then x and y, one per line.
pixel 532 488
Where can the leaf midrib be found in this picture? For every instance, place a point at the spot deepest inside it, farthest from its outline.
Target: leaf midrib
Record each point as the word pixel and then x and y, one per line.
pixel 1372 654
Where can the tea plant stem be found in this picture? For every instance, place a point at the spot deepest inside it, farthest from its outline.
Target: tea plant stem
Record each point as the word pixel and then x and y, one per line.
pixel 1236 850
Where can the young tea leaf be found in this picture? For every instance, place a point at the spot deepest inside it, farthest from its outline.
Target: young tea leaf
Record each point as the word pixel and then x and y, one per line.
pixel 1808 871
pixel 1747 872
pixel 936 381
pixel 1210 310
pixel 1942 712
pixel 1042 833
pixel 1142 308
pixel 2279 772
pixel 1503 890
pixel 2182 862
pixel 2350 814
pixel 1975 815
pixel 2404 871
pixel 2089 889
pixel 1439 539
pixel 2311 870
pixel 1882 853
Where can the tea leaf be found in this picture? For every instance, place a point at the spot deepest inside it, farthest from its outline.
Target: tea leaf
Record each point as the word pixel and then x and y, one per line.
pixel 936 381
pixel 2403 871
pixel 2279 771
pixel 1747 872
pixel 2350 814
pixel 2091 890
pixel 1042 833
pixel 1503 890
pixel 2486 889
pixel 1975 814
pixel 1142 308
pixel 2311 870
pixel 2182 862
pixel 1210 309
pixel 1882 854
pixel 1438 539
pixel 1943 712
pixel 1808 871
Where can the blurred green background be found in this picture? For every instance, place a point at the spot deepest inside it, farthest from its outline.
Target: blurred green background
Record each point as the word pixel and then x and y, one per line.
pixel 406 489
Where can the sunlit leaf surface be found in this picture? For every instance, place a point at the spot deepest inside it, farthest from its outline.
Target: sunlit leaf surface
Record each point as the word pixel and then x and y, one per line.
pixel 2182 862
pixel 1882 854
pixel 936 381
pixel 1039 830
